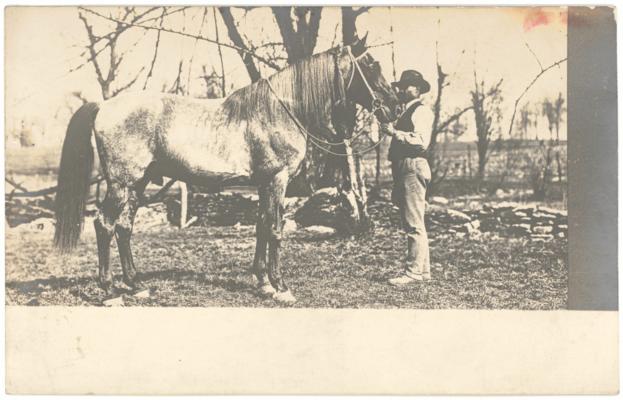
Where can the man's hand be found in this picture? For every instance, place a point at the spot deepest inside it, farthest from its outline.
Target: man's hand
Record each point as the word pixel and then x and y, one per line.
pixel 387 129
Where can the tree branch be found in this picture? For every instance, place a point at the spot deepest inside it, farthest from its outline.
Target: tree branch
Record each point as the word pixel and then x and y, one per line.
pixel 157 45
pixel 361 10
pixel 442 126
pixel 543 71
pixel 167 30
pixel 235 37
pixel 127 85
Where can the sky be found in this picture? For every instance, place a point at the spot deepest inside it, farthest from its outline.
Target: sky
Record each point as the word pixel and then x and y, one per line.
pixel 44 43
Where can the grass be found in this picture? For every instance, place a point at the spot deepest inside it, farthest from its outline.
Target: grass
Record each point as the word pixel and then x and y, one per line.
pixel 208 266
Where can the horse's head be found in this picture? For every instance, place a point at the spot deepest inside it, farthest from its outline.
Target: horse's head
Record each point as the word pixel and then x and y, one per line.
pixel 365 83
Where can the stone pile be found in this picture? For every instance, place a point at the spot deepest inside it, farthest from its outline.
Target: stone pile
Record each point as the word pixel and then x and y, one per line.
pixel 506 218
pixel 324 209
pixel 224 209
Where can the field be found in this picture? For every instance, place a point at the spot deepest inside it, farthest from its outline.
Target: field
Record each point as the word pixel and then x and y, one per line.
pixel 208 266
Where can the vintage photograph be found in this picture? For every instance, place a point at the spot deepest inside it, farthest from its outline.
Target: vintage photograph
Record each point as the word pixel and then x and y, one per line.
pixel 287 156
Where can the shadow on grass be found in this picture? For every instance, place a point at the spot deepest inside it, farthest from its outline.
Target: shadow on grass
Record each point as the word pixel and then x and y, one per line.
pixel 87 289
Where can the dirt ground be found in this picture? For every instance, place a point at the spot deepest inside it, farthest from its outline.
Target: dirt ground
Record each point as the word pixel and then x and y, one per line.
pixel 208 266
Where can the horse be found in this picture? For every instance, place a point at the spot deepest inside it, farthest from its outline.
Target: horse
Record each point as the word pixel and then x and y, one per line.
pixel 259 132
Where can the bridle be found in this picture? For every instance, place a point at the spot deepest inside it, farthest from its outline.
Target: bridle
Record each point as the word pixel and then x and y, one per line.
pixel 376 104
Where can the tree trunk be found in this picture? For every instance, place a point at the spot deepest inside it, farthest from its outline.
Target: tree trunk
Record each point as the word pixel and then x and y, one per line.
pixel 236 39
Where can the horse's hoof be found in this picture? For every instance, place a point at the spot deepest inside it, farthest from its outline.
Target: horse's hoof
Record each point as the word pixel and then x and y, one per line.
pixel 109 290
pixel 134 284
pixel 284 297
pixel 267 290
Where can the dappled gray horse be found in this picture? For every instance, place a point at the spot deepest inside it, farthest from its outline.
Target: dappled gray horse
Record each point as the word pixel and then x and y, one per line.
pixel 258 132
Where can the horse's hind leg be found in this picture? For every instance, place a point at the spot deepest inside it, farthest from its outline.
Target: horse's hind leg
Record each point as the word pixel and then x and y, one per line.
pixel 123 233
pixel 259 261
pixel 104 230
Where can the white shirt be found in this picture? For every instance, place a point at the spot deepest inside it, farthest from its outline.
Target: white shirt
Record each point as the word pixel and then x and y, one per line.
pixel 422 119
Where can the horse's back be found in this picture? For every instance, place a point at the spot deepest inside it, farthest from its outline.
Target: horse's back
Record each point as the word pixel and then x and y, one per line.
pixel 186 138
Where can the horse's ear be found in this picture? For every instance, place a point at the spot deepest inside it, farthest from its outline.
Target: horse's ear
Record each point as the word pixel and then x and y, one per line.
pixel 364 40
pixel 359 45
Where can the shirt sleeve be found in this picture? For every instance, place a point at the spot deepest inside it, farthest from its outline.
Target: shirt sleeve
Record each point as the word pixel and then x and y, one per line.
pixel 422 120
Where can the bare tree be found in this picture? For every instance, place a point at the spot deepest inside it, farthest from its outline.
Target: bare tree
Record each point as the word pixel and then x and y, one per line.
pixel 107 68
pixel 526 120
pixel 553 110
pixel 299 30
pixel 437 162
pixel 486 102
pixel 236 38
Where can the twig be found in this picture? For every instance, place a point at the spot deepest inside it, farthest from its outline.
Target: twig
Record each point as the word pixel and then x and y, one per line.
pixel 50 190
pixel 220 53
pixel 441 127
pixel 127 85
pixel 163 29
pixel 543 70
pixel 192 56
pixel 535 57
pixel 153 60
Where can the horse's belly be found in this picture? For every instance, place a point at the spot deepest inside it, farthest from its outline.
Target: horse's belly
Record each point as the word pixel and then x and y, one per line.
pixel 212 155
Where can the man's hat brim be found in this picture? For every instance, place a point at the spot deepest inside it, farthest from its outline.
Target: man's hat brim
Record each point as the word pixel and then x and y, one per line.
pixel 423 85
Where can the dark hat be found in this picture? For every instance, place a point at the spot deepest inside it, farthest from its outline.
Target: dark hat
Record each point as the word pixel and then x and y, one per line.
pixel 411 77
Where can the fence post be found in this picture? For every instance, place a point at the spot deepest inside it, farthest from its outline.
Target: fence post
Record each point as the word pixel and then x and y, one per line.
pixel 183 203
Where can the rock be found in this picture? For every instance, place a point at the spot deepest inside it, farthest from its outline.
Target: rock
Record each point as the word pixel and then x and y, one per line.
pixel 504 206
pixel 143 294
pixel 542 229
pixel 320 230
pixel 33 302
pixel 553 211
pixel 457 217
pixel 289 225
pixel 562 227
pixel 439 200
pixel 114 302
pixel 527 209
pixel 519 229
pixel 541 237
pixel 500 193
pixel 39 224
pixel 469 227
pixel 561 235
pixel 331 208
pixel 251 197
pixel 538 215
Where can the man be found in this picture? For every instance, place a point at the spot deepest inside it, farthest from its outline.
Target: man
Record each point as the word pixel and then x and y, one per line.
pixel 411 172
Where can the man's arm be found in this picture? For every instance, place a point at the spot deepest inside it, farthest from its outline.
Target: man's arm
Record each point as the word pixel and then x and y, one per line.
pixel 422 120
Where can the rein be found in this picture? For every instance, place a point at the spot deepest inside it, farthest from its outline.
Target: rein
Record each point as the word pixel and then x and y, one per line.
pixel 376 104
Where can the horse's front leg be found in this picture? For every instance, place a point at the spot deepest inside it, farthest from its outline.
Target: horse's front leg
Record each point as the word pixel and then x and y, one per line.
pixel 274 227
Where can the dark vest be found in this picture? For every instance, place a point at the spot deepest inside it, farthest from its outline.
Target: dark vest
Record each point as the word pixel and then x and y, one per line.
pixel 397 150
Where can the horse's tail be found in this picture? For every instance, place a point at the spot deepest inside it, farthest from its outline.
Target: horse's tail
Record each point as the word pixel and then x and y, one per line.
pixel 74 177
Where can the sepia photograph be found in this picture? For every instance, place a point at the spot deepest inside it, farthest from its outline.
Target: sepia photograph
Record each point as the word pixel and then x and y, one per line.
pixel 310 199
pixel 269 156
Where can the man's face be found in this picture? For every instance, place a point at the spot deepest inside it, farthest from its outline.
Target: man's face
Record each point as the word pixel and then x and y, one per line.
pixel 406 94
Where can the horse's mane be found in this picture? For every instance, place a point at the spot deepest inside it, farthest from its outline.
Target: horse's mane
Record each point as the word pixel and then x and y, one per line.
pixel 307 87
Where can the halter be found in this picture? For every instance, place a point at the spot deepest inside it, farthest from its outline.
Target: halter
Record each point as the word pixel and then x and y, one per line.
pixel 376 102
pixel 376 105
